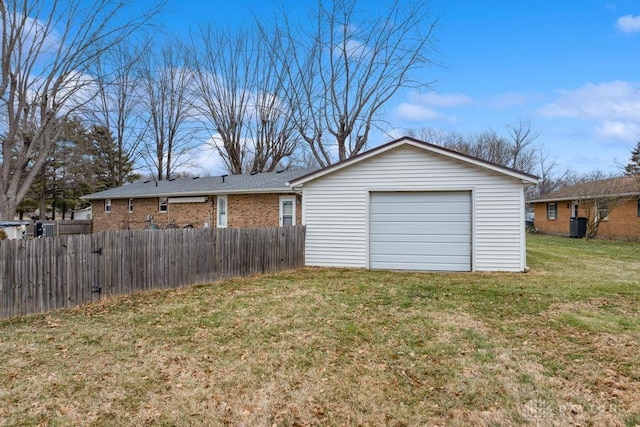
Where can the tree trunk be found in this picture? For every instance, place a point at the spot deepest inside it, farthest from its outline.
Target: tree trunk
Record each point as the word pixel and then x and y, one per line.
pixel 7 207
pixel 43 195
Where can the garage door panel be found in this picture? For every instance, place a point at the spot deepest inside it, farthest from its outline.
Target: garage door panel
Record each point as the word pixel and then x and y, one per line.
pixel 421 217
pixel 408 238
pixel 420 231
pixel 418 258
pixel 435 263
pixel 422 248
pixel 433 196
pixel 421 208
pixel 427 228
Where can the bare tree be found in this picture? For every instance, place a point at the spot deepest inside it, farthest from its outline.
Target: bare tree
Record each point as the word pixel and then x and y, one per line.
pixel 167 98
pixel 47 50
pixel 272 129
pixel 242 101
pixel 438 137
pixel 118 105
pixel 524 154
pixel 487 145
pixel 550 179
pixel 516 152
pixel 345 66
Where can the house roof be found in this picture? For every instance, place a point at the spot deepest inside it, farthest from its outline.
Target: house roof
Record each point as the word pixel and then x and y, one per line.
pixel 525 177
pixel 267 182
pixel 620 186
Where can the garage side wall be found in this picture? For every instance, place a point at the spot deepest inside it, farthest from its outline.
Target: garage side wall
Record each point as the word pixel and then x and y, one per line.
pixel 336 207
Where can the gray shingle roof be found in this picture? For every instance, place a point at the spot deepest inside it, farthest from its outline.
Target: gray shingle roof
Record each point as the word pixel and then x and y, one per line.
pixel 621 186
pixel 268 182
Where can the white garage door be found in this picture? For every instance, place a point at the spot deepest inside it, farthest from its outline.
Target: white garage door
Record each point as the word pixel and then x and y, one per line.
pixel 420 231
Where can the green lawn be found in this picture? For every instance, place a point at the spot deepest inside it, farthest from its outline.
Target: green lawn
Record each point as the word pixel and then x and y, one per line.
pixel 559 345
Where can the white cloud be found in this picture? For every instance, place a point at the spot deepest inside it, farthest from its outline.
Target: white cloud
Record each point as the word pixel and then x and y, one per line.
pixel 416 113
pixel 207 160
pixel 422 106
pixel 615 101
pixel 434 99
pixel 625 132
pixel 628 24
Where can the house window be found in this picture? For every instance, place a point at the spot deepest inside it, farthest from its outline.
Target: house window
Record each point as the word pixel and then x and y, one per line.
pixel 574 209
pixel 638 208
pixel 552 210
pixel 107 205
pixel 287 211
pixel 130 208
pixel 222 211
pixel 603 212
pixel 163 204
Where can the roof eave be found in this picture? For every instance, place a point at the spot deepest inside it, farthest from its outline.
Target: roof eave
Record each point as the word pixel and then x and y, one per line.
pixel 569 198
pixel 190 194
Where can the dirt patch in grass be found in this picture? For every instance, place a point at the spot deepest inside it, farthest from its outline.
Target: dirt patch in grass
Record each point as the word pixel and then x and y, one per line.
pixel 557 346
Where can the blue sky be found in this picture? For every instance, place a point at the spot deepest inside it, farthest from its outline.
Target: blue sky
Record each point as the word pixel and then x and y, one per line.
pixel 571 67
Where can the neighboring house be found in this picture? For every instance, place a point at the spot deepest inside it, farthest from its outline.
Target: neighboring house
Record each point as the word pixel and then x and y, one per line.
pixel 258 200
pixel 410 205
pixel 82 214
pixel 615 202
pixel 13 229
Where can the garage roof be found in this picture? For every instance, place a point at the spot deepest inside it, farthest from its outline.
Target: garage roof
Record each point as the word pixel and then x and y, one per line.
pixel 525 177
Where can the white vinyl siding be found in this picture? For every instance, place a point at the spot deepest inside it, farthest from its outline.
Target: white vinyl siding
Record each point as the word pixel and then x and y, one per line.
pixel 336 207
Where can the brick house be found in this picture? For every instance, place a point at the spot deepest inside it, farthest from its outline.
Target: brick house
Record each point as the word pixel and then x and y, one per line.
pixel 615 200
pixel 257 200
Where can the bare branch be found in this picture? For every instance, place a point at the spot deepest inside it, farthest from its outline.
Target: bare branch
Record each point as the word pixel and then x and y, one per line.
pixel 243 100
pixel 168 101
pixel 346 68
pixel 47 51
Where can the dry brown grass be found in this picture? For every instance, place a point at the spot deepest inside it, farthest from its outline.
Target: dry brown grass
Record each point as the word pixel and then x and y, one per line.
pixel 557 346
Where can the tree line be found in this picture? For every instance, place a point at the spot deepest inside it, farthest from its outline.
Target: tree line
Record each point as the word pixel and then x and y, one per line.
pixel 92 93
pixel 265 96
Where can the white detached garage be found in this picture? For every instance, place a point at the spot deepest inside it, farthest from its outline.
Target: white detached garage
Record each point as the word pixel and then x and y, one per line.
pixel 410 205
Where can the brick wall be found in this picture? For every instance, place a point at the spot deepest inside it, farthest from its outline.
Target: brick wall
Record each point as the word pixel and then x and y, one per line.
pixel 257 210
pixel 623 222
pixel 119 218
pixel 560 225
pixel 244 210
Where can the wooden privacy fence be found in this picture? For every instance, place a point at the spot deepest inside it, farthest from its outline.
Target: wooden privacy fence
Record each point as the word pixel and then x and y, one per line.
pixel 50 273
pixel 64 227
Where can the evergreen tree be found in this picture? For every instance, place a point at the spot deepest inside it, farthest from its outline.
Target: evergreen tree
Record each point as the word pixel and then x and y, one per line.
pixel 82 162
pixel 112 167
pixel 633 167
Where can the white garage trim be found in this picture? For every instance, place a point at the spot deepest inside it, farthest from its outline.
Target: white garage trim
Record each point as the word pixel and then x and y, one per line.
pixel 420 230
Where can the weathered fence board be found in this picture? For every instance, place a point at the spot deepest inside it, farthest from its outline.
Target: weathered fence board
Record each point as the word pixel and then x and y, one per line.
pixel 51 273
pixel 64 227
